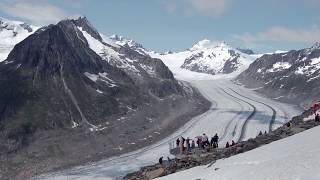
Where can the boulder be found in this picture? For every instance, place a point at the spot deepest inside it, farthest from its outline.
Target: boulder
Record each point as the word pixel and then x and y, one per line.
pixel 155 173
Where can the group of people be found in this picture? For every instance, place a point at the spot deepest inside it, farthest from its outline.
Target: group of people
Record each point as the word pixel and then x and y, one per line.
pixel 187 144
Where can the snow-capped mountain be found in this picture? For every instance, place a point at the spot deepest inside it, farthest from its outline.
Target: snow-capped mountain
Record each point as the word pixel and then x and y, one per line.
pixel 216 58
pixel 11 33
pixel 123 41
pixel 288 75
pixel 203 57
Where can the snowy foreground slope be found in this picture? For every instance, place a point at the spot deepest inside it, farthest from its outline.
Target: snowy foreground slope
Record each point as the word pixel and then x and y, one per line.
pixel 293 158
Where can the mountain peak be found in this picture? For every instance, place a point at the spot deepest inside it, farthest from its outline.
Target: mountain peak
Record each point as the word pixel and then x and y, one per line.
pixel 206 44
pixel 122 41
pixel 316 45
pixel 84 23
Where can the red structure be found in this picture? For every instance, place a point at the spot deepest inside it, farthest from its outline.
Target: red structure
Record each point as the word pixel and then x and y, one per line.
pixel 316 107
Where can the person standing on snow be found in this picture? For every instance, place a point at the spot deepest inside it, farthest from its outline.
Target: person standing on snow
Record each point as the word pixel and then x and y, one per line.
pixel 227 145
pixel 188 144
pixel 178 142
pixel 212 141
pixel 161 160
pixel 181 145
pixel 205 140
pixel 215 140
pixel 193 145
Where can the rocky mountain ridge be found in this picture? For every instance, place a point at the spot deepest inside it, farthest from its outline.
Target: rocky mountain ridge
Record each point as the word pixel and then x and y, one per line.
pixel 291 76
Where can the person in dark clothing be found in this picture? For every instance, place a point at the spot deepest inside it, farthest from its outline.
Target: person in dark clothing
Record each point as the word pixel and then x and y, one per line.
pixel 178 142
pixel 212 141
pixel 233 143
pixel 198 142
pixel 317 118
pixel 188 144
pixel 183 143
pixel 193 145
pixel 215 140
pixel 227 145
pixel 260 133
pixel 160 160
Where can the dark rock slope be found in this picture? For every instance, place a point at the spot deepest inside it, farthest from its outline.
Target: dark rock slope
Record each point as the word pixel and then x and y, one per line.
pixel 293 76
pixel 63 104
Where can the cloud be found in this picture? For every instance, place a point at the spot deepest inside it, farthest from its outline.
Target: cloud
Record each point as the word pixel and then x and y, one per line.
pixel 281 34
pixel 39 12
pixel 210 8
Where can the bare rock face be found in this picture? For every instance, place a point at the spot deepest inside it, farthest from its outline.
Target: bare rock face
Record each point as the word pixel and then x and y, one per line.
pixel 291 76
pixel 44 86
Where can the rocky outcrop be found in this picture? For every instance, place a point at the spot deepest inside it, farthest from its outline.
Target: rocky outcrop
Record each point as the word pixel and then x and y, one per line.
pixel 210 155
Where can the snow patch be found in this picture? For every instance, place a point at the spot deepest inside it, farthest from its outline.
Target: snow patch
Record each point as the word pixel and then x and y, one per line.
pixel 102 77
pixel 92 77
pixel 99 91
pixel 279 66
pixel 74 124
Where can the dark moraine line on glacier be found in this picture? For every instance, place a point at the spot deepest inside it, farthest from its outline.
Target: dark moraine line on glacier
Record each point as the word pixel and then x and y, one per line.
pixel 244 127
pixel 274 112
pixel 239 113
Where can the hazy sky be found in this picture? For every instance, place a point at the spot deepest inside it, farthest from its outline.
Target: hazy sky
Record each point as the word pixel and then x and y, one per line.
pixel 263 25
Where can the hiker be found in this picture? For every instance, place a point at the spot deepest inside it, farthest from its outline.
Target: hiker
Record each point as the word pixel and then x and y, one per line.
pixel 215 140
pixel 233 143
pixel 227 145
pixel 177 142
pixel 212 141
pixel 198 142
pixel 193 145
pixel 205 140
pixel 183 141
pixel 188 144
pixel 260 133
pixel 160 160
pixel 265 132
pixel 317 118
pixel 181 145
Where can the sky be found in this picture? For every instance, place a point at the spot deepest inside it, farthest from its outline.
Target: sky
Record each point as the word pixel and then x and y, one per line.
pixel 161 25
